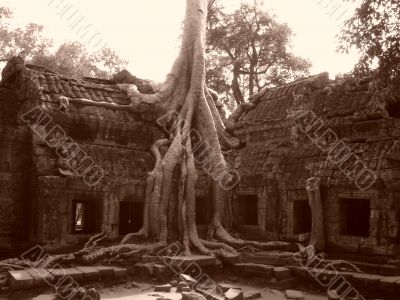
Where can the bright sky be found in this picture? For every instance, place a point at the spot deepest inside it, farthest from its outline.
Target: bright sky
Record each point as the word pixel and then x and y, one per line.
pixel 146 32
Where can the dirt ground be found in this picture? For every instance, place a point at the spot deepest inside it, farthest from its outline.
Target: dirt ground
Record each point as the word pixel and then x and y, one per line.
pixel 145 291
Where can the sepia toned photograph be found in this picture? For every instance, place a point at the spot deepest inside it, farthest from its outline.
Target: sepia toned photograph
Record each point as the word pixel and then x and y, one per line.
pixel 200 150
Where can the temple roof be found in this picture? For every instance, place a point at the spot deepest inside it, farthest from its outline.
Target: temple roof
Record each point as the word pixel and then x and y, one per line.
pixel 51 85
pixel 326 98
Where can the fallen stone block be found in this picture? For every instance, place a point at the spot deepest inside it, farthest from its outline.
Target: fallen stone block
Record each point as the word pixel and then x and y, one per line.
pixel 192 296
pixel 161 272
pixel 105 272
pixel 250 295
pixel 166 288
pixel 181 285
pixel 41 277
pixel 226 286
pixel 333 295
pixel 174 283
pixel 234 294
pixel 186 289
pixel 294 295
pixel 89 273
pixel 282 273
pixel 188 279
pixel 210 295
pixel 92 294
pixel 18 280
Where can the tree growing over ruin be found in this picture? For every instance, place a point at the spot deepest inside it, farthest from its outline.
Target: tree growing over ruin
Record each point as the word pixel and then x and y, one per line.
pixel 186 110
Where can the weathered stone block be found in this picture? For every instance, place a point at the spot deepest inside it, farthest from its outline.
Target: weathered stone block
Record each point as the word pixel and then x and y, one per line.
pixel 250 295
pixel 186 289
pixel 143 269
pixel 19 280
pixel 163 288
pixel 333 295
pixel 200 260
pixel 210 295
pixel 247 269
pixel 162 272
pixel 105 272
pixel 282 273
pixel 294 295
pixel 74 273
pixel 388 284
pixel 120 272
pixel 192 296
pixel 57 273
pixel 233 294
pixel 89 273
pixel 188 279
pixel 41 277
pixel 226 286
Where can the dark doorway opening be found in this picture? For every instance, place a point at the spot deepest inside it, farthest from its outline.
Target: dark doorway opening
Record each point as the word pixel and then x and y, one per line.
pixel 130 217
pixel 394 110
pixel 302 218
pixel 86 217
pixel 247 208
pixel 355 215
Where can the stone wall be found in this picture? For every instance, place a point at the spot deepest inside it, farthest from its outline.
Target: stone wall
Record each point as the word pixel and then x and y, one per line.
pixel 118 146
pixel 279 158
pixel 15 173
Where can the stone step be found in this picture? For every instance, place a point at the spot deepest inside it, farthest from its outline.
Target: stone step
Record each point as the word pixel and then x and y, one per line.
pixel 30 278
pixel 250 269
pixel 41 277
pixel 184 261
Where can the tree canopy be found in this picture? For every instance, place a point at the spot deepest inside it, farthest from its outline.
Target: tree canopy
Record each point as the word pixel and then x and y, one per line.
pixel 249 49
pixel 70 58
pixel 374 30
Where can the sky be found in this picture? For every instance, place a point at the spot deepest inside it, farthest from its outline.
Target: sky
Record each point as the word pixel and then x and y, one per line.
pixel 146 32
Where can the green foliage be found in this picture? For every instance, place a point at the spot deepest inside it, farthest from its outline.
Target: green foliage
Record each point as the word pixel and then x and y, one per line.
pixel 70 58
pixel 248 50
pixel 374 30
pixel 20 41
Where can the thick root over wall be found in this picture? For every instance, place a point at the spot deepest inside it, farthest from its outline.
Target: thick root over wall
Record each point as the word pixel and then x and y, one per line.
pixel 185 93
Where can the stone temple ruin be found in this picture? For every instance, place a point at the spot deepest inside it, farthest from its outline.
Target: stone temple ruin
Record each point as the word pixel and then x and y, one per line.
pixel 42 202
pixel 345 136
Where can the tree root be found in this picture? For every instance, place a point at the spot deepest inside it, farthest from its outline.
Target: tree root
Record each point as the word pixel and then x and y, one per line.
pixel 119 252
pixel 222 235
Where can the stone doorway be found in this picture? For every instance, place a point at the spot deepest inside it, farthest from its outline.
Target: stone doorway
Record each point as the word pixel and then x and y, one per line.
pixel 246 210
pixel 130 217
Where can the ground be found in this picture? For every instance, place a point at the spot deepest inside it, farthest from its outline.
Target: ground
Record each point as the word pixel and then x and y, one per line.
pixel 145 291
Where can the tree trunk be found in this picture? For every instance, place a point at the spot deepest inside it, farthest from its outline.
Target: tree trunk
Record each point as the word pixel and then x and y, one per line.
pixel 317 228
pixel 237 93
